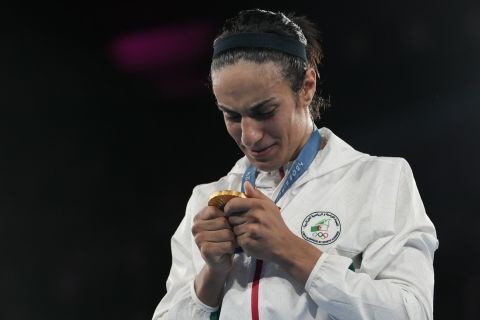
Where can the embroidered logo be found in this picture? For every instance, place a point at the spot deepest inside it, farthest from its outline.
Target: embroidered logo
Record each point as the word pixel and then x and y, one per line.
pixel 321 227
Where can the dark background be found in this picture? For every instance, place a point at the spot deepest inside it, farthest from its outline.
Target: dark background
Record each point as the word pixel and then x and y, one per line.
pixel 98 155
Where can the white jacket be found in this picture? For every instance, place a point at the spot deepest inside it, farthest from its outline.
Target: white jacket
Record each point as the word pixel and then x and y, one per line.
pixel 361 211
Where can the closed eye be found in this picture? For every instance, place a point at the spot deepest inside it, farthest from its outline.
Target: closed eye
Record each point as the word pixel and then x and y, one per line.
pixel 262 111
pixel 232 116
pixel 236 117
pixel 264 115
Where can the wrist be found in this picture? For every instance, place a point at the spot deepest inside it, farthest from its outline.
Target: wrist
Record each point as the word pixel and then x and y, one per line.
pixel 209 284
pixel 298 258
pixel 217 272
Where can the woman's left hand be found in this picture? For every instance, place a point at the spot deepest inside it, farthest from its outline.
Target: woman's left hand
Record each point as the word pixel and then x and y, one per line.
pixel 258 225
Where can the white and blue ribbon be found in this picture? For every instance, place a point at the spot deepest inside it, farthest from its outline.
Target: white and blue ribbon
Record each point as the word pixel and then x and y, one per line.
pixel 298 168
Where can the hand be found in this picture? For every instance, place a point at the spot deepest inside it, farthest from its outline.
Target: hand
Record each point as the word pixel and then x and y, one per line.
pixel 258 225
pixel 262 233
pixel 214 238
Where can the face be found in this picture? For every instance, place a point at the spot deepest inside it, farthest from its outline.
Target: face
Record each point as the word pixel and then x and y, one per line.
pixel 268 121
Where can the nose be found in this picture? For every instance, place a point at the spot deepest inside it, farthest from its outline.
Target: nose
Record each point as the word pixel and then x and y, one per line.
pixel 251 132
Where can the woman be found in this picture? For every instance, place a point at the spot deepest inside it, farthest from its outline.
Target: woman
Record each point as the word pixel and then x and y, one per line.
pixel 324 231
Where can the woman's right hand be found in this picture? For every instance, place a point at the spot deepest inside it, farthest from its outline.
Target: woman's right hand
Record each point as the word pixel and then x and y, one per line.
pixel 215 239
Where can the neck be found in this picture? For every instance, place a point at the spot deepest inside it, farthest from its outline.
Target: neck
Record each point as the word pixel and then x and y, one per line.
pixel 306 135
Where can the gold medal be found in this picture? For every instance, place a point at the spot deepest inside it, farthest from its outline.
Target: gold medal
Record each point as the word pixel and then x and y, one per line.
pixel 220 198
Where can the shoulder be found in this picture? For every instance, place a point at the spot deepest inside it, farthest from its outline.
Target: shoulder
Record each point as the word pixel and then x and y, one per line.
pixel 338 152
pixel 386 164
pixel 383 173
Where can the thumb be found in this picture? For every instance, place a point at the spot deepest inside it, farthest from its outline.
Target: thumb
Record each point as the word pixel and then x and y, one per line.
pixel 251 192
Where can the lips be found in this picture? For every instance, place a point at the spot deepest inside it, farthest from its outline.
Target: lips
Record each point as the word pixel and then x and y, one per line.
pixel 260 153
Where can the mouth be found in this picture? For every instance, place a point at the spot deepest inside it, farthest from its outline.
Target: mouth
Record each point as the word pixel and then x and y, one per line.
pixel 261 152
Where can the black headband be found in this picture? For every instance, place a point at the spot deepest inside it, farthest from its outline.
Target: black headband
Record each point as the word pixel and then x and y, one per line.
pixel 261 40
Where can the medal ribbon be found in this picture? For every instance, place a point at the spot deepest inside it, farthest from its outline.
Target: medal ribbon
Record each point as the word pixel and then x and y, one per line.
pixel 299 166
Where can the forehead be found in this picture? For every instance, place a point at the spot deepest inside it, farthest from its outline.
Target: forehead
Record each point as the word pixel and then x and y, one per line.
pixel 246 82
pixel 246 68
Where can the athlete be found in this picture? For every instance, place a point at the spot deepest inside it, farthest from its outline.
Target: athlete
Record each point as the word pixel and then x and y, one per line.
pixel 323 231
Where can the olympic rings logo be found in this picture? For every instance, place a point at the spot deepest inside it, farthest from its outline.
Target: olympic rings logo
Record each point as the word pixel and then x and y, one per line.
pixel 321 235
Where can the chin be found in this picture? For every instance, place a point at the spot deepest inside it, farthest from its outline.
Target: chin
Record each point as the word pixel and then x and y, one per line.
pixel 265 165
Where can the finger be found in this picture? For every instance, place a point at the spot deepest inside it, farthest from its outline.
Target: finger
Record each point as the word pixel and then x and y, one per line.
pixel 251 192
pixel 240 230
pixel 237 219
pixel 214 236
pixel 238 206
pixel 246 241
pixel 210 249
pixel 250 230
pixel 208 213
pixel 211 225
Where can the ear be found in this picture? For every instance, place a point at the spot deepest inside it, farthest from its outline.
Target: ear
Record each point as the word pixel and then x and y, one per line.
pixel 309 87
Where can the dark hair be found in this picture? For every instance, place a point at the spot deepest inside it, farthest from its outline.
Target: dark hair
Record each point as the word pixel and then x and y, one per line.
pixel 293 68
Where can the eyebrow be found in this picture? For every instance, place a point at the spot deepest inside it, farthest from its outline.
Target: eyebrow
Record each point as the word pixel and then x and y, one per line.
pixel 253 109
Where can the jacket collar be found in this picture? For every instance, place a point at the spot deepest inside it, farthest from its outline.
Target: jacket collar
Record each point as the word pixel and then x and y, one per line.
pixel 335 154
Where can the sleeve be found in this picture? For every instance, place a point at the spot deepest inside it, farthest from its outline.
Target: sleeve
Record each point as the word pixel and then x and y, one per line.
pixel 181 301
pixel 395 279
